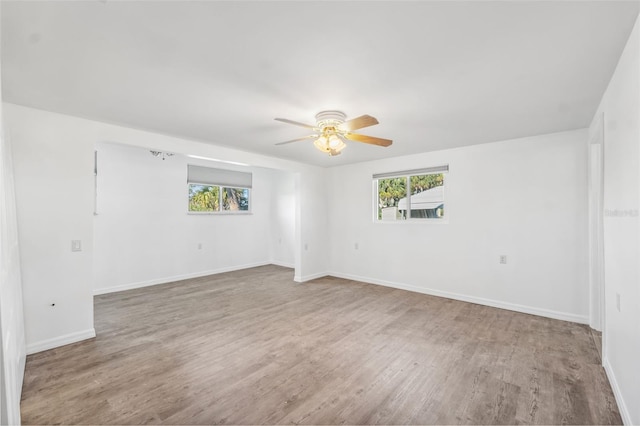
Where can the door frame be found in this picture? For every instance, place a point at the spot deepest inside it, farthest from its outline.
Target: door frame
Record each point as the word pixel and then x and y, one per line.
pixel 596 225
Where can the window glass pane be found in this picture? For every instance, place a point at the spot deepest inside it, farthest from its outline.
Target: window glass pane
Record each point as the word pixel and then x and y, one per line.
pixel 427 196
pixel 235 199
pixel 390 192
pixel 203 198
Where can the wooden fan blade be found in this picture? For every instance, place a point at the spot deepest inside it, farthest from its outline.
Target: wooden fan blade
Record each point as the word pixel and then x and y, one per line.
pixel 358 123
pixel 368 139
pixel 295 123
pixel 298 140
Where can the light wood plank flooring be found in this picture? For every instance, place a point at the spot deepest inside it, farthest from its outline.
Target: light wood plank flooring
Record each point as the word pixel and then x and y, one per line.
pixel 253 347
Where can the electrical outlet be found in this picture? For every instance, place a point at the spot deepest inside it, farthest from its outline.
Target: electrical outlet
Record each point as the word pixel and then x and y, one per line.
pixel 76 245
pixel 199 246
pixel 503 259
pixel 355 246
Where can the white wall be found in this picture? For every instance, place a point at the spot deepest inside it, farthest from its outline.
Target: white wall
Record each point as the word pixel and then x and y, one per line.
pixel 524 198
pixel 312 225
pixel 283 218
pixel 12 349
pixel 54 187
pixel 12 317
pixel 54 158
pixel 621 108
pixel 143 234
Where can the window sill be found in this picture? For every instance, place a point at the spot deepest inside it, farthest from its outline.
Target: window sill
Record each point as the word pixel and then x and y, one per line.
pixel 219 213
pixel 412 222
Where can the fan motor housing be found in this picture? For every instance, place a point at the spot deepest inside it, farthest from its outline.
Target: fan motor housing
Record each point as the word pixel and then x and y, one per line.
pixel 330 118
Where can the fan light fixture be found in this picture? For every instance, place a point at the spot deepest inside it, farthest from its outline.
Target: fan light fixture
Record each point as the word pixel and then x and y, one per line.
pixel 331 131
pixel 330 142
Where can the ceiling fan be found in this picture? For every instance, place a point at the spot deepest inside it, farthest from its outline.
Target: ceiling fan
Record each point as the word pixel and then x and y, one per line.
pixel 331 131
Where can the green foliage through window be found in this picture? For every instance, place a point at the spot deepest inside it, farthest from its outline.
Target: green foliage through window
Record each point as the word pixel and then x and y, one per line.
pixel 204 198
pixel 235 199
pixel 397 202
pixel 424 182
pixel 390 191
pixel 213 198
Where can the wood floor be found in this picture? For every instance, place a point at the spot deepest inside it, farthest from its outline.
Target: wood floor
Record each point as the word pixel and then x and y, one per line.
pixel 253 347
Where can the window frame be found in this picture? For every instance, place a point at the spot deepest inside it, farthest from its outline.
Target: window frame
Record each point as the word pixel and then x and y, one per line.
pixel 407 174
pixel 220 211
pixel 221 178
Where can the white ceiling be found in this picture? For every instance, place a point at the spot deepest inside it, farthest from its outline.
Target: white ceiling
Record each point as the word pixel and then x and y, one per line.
pixel 435 74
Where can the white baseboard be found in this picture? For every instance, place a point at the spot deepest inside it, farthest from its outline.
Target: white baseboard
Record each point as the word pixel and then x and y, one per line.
pixel 581 319
pixel 156 281
pixel 283 264
pixel 622 406
pixel 21 369
pixel 305 278
pixel 47 344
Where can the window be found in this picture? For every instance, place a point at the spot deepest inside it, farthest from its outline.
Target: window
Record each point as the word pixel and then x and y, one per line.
pixel 218 190
pixel 410 194
pixel 204 198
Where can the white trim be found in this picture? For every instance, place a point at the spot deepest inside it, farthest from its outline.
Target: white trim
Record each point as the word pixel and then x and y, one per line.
pixel 596 233
pixel 564 316
pixel 414 221
pixel 22 366
pixel 164 280
pixel 55 342
pixel 433 170
pixel 622 407
pixel 283 264
pixel 305 278
pixel 223 213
